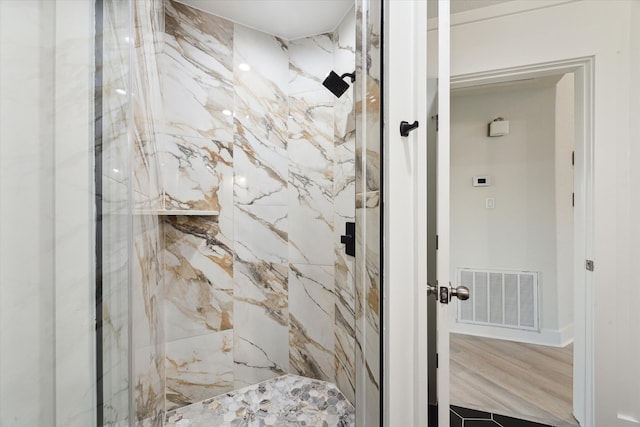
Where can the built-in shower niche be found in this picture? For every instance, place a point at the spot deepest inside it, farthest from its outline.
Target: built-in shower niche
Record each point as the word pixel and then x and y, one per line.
pixel 257 161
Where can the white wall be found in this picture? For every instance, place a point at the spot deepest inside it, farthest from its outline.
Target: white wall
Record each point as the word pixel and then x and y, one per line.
pixel 46 300
pixel 26 224
pixel 606 31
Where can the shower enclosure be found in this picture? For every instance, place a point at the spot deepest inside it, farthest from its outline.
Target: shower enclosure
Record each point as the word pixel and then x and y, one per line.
pixel 174 192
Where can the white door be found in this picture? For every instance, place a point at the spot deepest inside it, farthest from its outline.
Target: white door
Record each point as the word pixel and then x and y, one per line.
pixel 603 33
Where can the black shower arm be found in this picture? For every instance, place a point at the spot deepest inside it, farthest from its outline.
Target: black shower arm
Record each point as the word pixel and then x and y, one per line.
pixel 351 75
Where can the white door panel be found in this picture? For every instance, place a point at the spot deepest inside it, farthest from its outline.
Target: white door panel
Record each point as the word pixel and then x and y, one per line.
pixel 442 217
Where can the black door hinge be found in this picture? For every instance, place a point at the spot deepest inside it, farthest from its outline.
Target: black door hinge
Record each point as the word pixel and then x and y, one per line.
pixel 589 265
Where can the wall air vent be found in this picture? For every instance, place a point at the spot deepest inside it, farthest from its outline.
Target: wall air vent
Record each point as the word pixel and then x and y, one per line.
pixel 499 298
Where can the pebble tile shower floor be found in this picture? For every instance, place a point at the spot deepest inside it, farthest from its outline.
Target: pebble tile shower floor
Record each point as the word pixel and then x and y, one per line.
pixel 288 400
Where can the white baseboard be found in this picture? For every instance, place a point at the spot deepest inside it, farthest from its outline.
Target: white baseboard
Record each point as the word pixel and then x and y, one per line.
pixel 548 337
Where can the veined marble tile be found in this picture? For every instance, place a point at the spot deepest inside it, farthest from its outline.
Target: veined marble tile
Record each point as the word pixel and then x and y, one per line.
pixel 115 102
pixel 146 280
pixel 311 321
pixel 344 118
pixel 147 318
pixel 310 60
pixel 148 392
pixel 368 212
pixel 115 349
pixel 372 151
pixel 266 56
pixel 115 300
pixel 146 105
pixel 345 50
pixel 368 300
pixel 197 68
pixel 345 351
pixel 197 87
pixel 261 111
pixel 345 306
pixel 197 173
pixel 198 368
pixel 344 189
pixel 344 184
pixel 198 275
pixel 261 233
pixel 368 117
pixel 260 170
pixel 311 155
pixel 261 321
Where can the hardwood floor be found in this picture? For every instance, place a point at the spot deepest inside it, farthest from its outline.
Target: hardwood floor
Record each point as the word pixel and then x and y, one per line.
pixel 520 380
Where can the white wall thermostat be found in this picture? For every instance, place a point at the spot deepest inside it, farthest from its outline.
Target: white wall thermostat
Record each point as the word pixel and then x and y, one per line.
pixel 481 181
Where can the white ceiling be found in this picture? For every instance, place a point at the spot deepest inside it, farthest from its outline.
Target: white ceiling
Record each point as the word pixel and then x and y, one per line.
pixel 294 19
pixel 289 19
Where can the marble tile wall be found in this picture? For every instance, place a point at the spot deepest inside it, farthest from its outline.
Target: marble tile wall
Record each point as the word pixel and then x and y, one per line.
pixel 264 288
pixel 115 207
pixel 197 87
pixel 196 157
pixel 146 282
pixel 344 189
pixel 368 215
pixel 261 221
pixel 311 209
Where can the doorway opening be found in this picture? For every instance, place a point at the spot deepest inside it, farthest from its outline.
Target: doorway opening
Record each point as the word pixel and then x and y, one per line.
pixel 518 221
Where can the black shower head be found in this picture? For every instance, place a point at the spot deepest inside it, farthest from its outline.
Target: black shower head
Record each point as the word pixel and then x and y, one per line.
pixel 336 83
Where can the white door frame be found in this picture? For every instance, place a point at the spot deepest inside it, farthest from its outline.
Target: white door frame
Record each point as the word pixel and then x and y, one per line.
pixel 583 225
pixel 405 276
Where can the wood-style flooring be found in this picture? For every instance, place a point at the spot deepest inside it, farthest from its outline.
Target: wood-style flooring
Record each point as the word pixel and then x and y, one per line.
pixel 526 381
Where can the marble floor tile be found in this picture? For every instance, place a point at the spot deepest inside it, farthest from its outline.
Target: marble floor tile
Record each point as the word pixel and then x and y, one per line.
pixel 288 400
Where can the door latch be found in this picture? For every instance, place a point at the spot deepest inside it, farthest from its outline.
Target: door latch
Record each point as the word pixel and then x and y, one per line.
pixel 444 294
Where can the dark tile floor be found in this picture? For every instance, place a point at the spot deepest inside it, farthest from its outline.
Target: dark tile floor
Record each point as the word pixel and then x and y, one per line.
pixel 463 417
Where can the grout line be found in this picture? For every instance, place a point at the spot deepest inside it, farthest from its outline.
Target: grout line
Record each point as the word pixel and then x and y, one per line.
pixel 492 419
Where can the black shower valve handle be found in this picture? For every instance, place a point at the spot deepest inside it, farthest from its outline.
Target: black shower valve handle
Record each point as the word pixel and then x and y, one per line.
pixel 349 238
pixel 406 127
